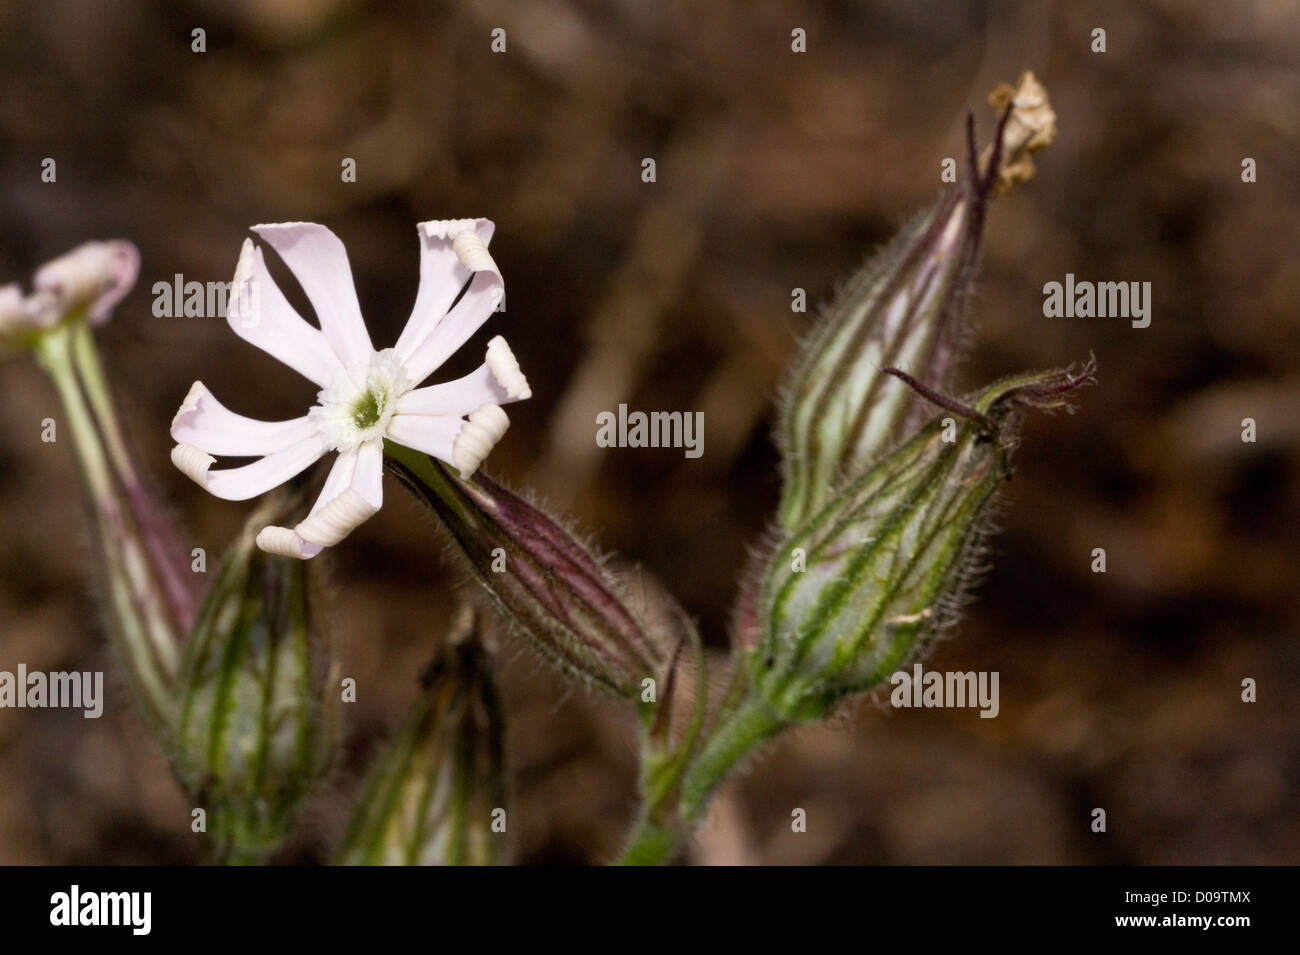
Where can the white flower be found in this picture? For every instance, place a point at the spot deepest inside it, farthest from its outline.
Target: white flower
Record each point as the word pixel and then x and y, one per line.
pixel 90 280
pixel 366 395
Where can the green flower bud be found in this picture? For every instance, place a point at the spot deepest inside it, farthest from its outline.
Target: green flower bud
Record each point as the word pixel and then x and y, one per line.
pixel 255 729
pixel 859 589
pixel 440 788
pixel 905 307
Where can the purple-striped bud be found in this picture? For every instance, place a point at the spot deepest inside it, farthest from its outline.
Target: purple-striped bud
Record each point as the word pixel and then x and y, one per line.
pixel 572 608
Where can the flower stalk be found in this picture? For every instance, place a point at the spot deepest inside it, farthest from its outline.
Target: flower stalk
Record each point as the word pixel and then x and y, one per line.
pixel 151 598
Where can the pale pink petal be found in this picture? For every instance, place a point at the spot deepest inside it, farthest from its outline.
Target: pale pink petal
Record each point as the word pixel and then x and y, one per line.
pixel 204 422
pixel 339 511
pixel 94 276
pixel 442 276
pixel 432 434
pixel 319 262
pixel 239 484
pixel 368 479
pixel 497 381
pixel 259 313
pixel 467 316
pixel 463 443
pixel 285 542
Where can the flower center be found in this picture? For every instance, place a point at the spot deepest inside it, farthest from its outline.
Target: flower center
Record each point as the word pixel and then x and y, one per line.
pixel 359 401
pixel 366 412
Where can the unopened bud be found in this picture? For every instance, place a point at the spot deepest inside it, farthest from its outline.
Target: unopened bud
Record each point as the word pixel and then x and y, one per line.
pixel 887 561
pixel 558 595
pixel 255 727
pixel 438 795
pixel 905 307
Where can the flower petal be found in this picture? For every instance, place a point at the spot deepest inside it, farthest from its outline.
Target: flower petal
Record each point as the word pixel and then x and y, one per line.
pixel 461 443
pixel 442 277
pixel 260 314
pixel 319 262
pixel 368 479
pixel 17 314
pixel 335 516
pixel 284 542
pixel 467 316
pixel 94 276
pixel 496 382
pixel 476 440
pixel 239 484
pixel 432 434
pixel 208 425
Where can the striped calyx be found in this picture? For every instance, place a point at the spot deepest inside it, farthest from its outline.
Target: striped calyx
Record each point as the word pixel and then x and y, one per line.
pixel 254 725
pixel 858 589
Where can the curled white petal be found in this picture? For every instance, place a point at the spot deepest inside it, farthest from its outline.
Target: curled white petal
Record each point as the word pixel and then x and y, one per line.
pixel 272 470
pixel 285 542
pixel 336 520
pixel 477 437
pixel 473 253
pixel 505 369
pixel 450 228
pixel 442 277
pixel 193 463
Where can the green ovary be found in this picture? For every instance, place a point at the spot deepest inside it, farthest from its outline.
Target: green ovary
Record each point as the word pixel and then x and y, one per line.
pixel 366 412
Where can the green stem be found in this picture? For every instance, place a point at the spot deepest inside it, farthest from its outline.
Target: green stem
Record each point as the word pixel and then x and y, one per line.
pixel 145 633
pixel 752 724
pixel 651 844
pixel 95 384
pixel 656 839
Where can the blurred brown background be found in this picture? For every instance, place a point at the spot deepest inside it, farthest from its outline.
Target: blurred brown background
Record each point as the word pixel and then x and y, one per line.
pixel 775 170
